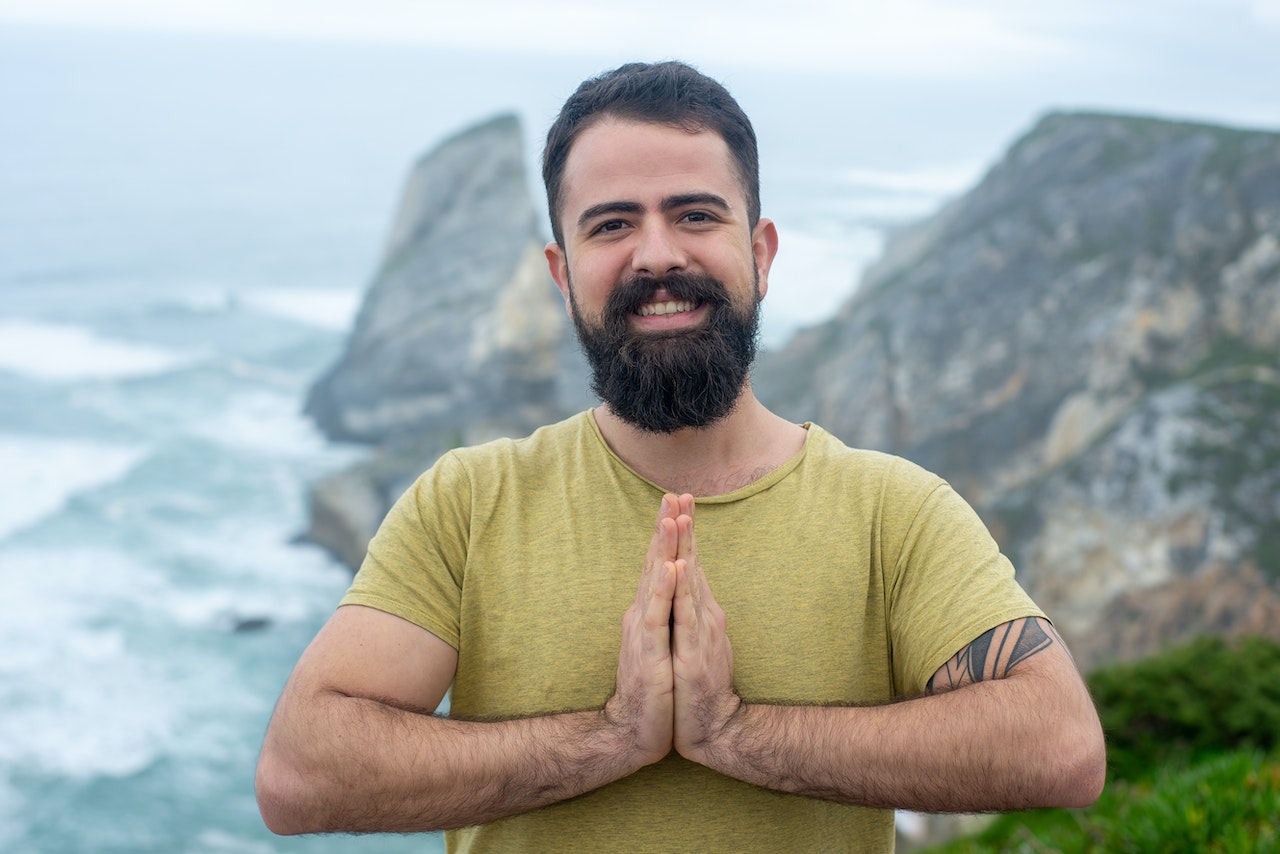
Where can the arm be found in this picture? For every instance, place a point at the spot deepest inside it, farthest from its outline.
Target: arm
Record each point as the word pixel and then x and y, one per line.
pixel 1026 738
pixel 353 746
pixel 1007 723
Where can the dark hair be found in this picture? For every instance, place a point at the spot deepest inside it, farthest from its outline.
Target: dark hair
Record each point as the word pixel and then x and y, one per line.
pixel 670 93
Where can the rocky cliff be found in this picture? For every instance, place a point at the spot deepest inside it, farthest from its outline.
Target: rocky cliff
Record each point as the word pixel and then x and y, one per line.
pixel 462 329
pixel 461 337
pixel 1087 344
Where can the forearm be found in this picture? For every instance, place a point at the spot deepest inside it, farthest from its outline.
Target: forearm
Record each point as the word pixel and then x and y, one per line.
pixel 988 746
pixel 353 764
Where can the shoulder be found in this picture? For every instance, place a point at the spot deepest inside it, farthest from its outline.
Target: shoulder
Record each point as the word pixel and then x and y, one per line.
pixel 470 479
pixel 552 453
pixel 550 442
pixel 894 480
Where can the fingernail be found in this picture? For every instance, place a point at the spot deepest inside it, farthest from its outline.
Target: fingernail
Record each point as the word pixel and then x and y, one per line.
pixel 663 509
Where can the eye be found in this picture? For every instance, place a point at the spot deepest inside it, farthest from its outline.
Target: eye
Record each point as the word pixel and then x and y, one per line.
pixel 697 217
pixel 609 226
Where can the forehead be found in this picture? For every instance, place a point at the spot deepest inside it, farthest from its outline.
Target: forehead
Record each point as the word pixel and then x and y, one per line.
pixel 618 160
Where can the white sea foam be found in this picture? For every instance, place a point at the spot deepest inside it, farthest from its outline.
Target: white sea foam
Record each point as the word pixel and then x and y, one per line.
pixel 59 352
pixel 86 688
pixel 264 421
pixel 41 475
pixel 302 581
pixel 77 702
pixel 206 300
pixel 325 309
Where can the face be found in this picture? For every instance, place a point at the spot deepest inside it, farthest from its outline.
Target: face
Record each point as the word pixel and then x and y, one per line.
pixel 661 272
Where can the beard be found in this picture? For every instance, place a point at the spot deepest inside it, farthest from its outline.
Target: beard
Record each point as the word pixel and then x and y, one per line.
pixel 664 382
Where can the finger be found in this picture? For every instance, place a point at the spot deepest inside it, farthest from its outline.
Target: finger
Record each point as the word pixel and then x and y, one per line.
pixel 690 617
pixel 685 545
pixel 662 548
pixel 682 608
pixel 686 504
pixel 657 614
pixel 669 509
pixel 668 539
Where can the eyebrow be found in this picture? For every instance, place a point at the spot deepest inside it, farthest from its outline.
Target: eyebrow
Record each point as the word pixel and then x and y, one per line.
pixel 668 204
pixel 606 208
pixel 687 199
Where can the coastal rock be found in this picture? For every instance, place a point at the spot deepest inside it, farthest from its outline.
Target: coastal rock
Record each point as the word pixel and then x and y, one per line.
pixel 462 336
pixel 462 330
pixel 1086 345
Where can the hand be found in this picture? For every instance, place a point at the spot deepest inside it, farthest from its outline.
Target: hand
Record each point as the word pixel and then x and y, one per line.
pixel 643 697
pixel 702 657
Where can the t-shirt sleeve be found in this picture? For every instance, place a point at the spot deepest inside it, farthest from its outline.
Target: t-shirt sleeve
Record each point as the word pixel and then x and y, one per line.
pixel 416 561
pixel 946 578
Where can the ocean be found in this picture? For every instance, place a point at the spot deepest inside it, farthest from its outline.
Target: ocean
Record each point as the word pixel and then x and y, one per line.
pixel 186 228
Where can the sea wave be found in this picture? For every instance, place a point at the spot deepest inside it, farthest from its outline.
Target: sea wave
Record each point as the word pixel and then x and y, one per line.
pixel 303 582
pixel 73 697
pixel 263 421
pixel 42 475
pixel 325 309
pixel 322 308
pixel 93 683
pixel 62 352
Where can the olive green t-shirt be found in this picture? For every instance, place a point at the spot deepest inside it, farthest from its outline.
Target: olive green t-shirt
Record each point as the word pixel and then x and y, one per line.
pixel 847 577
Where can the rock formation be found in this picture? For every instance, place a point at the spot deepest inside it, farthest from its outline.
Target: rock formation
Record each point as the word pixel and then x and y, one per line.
pixel 462 329
pixel 1087 345
pixel 462 336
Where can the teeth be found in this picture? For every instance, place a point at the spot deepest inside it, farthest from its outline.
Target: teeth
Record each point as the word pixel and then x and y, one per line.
pixel 664 308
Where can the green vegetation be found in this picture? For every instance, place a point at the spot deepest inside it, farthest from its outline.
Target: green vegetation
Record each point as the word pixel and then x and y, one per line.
pixel 1189 703
pixel 1193 748
pixel 1226 804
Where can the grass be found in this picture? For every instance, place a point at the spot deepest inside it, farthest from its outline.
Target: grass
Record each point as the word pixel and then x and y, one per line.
pixel 1228 803
pixel 1193 752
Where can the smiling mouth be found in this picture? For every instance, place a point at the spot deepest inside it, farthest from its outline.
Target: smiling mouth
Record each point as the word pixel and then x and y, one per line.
pixel 667 307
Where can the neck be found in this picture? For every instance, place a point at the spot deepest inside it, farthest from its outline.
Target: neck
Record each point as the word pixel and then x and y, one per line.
pixel 739 449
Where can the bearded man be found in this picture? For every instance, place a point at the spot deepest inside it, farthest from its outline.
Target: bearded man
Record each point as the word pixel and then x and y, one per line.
pixel 842 637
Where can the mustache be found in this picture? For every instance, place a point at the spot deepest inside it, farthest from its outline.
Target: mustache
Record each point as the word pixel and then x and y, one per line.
pixel 627 298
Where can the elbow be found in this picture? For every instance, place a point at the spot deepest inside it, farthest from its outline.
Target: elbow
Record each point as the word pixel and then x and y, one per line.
pixel 1081 770
pixel 282 797
pixel 1091 778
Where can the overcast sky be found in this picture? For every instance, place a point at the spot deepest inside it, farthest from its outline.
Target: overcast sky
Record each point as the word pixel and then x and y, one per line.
pixel 1213 59
pixel 980 39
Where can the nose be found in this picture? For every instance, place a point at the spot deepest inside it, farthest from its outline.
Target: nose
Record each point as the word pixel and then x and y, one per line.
pixel 658 251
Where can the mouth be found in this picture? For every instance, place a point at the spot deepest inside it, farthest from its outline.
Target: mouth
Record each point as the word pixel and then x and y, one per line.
pixel 666 308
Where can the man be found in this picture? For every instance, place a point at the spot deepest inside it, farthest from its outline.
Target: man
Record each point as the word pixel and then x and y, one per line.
pixel 841 636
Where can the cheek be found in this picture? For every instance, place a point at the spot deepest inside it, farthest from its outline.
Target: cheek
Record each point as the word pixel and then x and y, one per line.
pixel 592 279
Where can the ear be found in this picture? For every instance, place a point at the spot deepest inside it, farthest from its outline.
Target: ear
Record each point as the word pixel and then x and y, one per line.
pixel 558 264
pixel 764 245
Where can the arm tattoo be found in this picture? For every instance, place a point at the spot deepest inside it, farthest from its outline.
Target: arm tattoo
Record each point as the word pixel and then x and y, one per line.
pixel 994 654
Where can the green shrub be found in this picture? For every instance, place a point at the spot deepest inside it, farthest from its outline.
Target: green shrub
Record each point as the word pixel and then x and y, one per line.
pixel 1193 753
pixel 1226 804
pixel 1193 701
